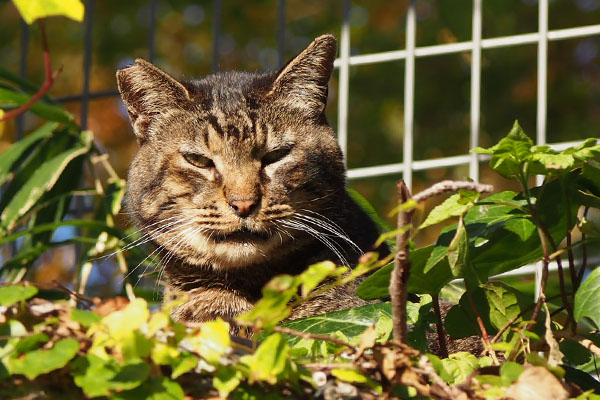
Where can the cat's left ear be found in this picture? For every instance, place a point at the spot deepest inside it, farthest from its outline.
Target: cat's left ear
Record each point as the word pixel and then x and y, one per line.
pixel 302 83
pixel 147 91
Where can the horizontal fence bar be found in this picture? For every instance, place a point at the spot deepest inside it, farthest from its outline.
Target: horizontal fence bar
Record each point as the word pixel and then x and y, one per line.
pixel 491 43
pixel 432 163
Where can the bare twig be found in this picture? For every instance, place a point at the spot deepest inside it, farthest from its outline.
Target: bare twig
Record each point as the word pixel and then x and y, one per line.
pixel 585 342
pixel 544 280
pixel 50 77
pixel 399 278
pixel 440 327
pixel 451 187
pixel 584 255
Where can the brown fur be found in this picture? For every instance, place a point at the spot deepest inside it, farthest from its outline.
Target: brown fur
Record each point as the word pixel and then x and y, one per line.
pixel 227 168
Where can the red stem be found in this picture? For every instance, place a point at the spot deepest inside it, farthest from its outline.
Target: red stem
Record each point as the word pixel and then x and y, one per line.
pixel 50 77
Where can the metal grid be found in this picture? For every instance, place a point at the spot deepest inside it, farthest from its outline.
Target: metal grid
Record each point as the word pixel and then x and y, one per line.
pixel 346 61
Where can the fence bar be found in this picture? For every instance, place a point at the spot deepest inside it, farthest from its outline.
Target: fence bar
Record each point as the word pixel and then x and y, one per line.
pixel 280 33
pixel 152 31
pixel 475 88
pixel 344 83
pixel 217 9
pixel 23 52
pixel 490 43
pixel 409 93
pixel 432 163
pixel 87 62
pixel 542 72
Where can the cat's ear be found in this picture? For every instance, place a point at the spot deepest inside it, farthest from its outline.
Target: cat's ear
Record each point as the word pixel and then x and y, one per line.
pixel 147 91
pixel 302 82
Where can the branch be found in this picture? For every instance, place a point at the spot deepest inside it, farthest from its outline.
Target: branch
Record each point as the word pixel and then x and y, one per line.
pixel 440 327
pixel 399 278
pixel 50 77
pixel 585 342
pixel 451 187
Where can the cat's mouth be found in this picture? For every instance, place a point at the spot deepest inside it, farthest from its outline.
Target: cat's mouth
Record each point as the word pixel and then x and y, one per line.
pixel 240 236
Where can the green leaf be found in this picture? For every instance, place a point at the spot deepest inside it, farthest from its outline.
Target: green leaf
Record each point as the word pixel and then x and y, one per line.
pixel 269 360
pixel 40 182
pixel 85 318
pixel 39 362
pixel 10 295
pixel 586 299
pixel 458 251
pixel 510 154
pixel 458 366
pixel 505 303
pixel 369 210
pixel 11 99
pixel 121 323
pixel 523 227
pixel 31 343
pixel 511 370
pixel 273 307
pixel 34 9
pixel 213 340
pixel 99 377
pixel 314 275
pixel 226 379
pixel 351 323
pixel 454 206
pixel 21 148
pixel 156 388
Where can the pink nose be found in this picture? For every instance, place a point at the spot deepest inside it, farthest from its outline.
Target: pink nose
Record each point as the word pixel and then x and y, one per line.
pixel 242 208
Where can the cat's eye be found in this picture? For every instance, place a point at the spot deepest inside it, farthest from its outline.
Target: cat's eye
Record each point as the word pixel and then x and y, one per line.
pixel 198 160
pixel 275 155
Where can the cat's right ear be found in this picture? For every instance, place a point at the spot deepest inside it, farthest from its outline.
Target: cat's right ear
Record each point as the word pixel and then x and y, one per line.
pixel 147 91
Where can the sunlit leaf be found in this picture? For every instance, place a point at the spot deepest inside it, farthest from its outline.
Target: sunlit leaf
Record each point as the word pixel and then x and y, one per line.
pixel 10 295
pixel 34 9
pixel 212 341
pixel 39 362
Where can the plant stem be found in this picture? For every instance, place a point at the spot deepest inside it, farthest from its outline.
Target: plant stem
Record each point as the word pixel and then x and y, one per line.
pixel 50 77
pixel 542 294
pixel 401 271
pixel 439 325
pixel 584 255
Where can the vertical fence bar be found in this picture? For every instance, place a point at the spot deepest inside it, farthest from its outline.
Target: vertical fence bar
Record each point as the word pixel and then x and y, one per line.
pixel 344 80
pixel 409 92
pixel 280 33
pixel 542 69
pixel 475 88
pixel 23 52
pixel 87 62
pixel 216 34
pixel 541 101
pixel 152 31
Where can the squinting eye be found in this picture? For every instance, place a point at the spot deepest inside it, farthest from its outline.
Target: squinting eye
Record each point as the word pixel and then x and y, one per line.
pixel 275 155
pixel 198 160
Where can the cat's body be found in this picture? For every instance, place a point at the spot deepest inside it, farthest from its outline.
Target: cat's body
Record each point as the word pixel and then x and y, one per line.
pixel 239 178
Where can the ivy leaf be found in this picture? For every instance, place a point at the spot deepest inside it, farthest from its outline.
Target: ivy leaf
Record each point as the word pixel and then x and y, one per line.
pixel 39 362
pixel 10 295
pixel 586 299
pixel 34 9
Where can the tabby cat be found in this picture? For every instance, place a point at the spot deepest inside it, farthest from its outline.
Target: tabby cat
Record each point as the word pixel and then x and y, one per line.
pixel 239 178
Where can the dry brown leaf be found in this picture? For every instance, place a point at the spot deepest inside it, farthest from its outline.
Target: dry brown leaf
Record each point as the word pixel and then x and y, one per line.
pixel 537 383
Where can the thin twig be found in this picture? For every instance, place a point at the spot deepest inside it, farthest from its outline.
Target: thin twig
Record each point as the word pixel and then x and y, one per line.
pixel 584 255
pixel 585 342
pixel 451 187
pixel 50 77
pixel 401 271
pixel 440 327
pixel 544 280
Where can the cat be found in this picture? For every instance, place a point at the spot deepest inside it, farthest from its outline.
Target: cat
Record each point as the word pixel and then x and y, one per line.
pixel 239 178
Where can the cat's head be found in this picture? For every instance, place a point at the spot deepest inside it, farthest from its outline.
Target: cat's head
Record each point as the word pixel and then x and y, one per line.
pixel 231 167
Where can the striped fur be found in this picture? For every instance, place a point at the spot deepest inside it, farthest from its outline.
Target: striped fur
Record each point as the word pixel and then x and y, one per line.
pixel 254 140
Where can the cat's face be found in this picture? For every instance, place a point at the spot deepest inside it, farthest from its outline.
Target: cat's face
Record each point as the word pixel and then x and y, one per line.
pixel 233 167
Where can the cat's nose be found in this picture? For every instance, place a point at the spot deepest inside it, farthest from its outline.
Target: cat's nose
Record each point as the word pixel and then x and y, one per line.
pixel 243 208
